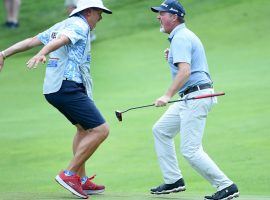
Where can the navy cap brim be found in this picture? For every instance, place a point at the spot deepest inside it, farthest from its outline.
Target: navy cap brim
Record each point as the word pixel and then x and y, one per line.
pixel 158 9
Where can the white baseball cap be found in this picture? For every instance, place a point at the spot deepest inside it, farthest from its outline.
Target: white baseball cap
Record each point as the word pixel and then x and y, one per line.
pixel 84 4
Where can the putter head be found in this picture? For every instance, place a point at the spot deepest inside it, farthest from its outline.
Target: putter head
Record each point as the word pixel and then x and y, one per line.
pixel 118 115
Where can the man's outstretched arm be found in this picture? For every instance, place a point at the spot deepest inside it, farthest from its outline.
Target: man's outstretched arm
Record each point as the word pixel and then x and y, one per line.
pixel 53 45
pixel 21 46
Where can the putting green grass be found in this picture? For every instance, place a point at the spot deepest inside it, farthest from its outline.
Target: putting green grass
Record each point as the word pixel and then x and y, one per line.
pixel 129 70
pixel 116 196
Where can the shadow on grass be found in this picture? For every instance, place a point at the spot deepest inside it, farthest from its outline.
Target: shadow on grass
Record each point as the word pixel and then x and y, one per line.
pixel 106 196
pixel 110 196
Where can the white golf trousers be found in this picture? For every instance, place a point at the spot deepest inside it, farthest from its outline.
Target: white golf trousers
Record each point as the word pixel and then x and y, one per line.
pixel 189 119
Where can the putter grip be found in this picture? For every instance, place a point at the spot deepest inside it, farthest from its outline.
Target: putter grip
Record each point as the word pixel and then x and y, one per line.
pixel 209 95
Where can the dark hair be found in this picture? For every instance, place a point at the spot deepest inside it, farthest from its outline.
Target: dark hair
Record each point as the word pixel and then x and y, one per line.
pixel 181 19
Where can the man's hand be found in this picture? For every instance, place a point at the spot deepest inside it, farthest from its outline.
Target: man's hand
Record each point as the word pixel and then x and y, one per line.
pixel 1 61
pixel 50 47
pixel 33 62
pixel 166 53
pixel 162 101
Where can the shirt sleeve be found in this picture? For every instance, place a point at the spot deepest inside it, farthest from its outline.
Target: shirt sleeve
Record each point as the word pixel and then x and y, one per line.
pixel 181 49
pixel 46 36
pixel 75 32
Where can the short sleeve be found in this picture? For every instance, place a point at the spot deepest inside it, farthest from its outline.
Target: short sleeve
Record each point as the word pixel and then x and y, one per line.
pixel 48 35
pixel 181 49
pixel 74 31
pixel 44 37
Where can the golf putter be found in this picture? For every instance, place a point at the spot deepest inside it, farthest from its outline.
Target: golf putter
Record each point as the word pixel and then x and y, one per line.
pixel 120 117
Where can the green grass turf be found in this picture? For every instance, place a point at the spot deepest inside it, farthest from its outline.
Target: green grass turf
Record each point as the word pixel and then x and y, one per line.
pixel 115 196
pixel 128 70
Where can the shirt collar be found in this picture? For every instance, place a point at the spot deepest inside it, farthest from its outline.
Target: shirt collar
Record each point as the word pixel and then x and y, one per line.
pixel 175 30
pixel 83 18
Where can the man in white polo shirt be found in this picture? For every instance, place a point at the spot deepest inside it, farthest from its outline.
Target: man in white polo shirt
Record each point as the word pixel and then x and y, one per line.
pixel 189 69
pixel 68 87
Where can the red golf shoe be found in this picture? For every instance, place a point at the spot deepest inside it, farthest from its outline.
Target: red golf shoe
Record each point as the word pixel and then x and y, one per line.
pixel 71 183
pixel 91 188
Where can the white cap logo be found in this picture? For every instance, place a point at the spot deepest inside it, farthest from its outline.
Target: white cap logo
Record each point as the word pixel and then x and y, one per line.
pixel 165 5
pixel 172 9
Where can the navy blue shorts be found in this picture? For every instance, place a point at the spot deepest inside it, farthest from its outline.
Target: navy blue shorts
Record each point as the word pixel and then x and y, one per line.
pixel 72 101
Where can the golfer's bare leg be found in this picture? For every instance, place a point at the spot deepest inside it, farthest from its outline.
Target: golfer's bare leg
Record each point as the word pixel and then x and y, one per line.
pixel 76 141
pixel 87 145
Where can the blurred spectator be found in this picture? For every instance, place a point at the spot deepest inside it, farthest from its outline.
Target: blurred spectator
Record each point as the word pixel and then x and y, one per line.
pixel 70 6
pixel 12 13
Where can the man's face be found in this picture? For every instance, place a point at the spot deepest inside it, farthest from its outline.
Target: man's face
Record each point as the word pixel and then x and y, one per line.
pixel 94 17
pixel 167 22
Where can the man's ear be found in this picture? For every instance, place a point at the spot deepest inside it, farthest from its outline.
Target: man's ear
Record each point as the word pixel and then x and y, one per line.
pixel 175 18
